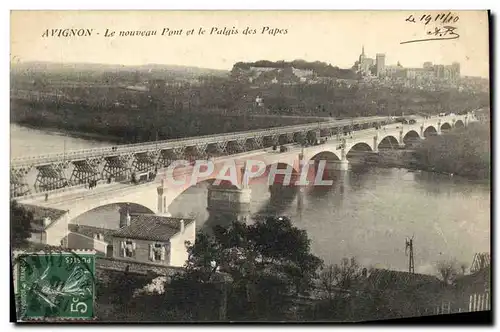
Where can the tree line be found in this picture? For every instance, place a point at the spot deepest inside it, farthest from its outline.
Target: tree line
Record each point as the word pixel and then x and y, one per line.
pixel 263 271
pixel 465 152
pixel 319 68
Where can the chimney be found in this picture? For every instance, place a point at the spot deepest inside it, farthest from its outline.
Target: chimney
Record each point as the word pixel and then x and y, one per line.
pixel 161 197
pixel 182 225
pixel 124 216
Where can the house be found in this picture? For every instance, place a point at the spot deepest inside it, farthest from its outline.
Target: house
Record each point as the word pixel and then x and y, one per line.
pixel 420 294
pixel 150 238
pixel 470 292
pixel 90 237
pixel 403 294
pixel 44 229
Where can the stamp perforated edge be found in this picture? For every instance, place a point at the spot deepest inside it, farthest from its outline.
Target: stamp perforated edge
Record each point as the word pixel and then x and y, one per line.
pixel 17 253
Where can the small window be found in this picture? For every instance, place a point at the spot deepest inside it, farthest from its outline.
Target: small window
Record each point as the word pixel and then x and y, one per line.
pixel 157 249
pixel 129 249
pixel 157 252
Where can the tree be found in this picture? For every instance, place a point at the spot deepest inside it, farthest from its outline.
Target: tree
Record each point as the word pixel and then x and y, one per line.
pixel 265 264
pixel 448 270
pixel 347 273
pixel 338 283
pixel 20 224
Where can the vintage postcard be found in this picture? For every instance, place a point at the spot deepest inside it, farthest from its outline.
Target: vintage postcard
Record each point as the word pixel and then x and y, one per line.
pixel 291 166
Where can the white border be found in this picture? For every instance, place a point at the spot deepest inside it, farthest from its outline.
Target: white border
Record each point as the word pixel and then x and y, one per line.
pixel 185 4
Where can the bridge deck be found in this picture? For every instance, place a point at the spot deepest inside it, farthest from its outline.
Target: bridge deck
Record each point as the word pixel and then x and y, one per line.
pixel 70 194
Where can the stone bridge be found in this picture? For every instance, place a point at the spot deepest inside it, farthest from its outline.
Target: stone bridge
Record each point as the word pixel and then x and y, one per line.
pixel 337 144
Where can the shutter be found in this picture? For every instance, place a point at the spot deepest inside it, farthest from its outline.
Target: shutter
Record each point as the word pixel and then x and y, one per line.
pixel 163 253
pixel 133 245
pixel 122 249
pixel 151 253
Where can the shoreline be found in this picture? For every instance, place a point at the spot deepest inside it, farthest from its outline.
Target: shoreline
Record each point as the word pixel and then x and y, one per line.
pixel 401 159
pixel 75 134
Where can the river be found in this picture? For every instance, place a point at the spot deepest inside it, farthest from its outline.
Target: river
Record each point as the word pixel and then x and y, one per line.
pixel 367 214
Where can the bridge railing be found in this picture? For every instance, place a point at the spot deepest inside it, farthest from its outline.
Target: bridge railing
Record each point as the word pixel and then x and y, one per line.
pixel 179 142
pixel 366 133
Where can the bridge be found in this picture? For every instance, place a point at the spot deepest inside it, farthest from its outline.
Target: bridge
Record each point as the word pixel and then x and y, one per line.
pixel 112 167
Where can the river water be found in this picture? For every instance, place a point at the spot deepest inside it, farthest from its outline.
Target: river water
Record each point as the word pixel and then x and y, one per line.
pixel 366 214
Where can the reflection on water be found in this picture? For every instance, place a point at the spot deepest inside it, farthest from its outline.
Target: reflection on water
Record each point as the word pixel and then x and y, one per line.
pixel 367 213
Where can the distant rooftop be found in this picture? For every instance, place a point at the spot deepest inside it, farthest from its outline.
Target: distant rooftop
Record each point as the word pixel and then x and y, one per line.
pixel 151 227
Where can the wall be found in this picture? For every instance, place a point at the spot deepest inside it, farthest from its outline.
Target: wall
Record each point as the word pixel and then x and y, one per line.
pixel 38 237
pixel 57 231
pixel 80 241
pixel 141 251
pixel 179 254
pixel 112 264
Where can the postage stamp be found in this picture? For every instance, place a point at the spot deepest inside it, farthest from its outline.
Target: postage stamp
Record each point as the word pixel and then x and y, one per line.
pixel 55 286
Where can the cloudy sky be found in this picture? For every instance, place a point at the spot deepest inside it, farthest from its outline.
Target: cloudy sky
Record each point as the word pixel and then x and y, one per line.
pixel 335 37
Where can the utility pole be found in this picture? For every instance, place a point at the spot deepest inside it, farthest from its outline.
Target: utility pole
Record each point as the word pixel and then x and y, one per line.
pixel 411 262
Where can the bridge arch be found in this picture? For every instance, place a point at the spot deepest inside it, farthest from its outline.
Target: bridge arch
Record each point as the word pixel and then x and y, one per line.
pixel 146 197
pixel 459 124
pixel 411 137
pixel 430 131
pixel 358 151
pixel 388 142
pixel 279 179
pixel 111 209
pixel 446 126
pixel 359 147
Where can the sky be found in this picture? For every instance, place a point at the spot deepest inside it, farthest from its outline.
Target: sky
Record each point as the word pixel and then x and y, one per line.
pixel 334 37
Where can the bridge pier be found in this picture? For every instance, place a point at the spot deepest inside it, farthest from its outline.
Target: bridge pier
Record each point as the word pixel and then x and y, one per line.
pixel 162 200
pixel 342 182
pixel 337 165
pixel 233 202
pixel 124 216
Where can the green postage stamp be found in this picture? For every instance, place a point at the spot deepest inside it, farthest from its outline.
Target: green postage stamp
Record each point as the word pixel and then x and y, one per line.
pixel 55 286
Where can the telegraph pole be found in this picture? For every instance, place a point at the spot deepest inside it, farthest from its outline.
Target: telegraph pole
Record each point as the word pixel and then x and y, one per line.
pixel 411 262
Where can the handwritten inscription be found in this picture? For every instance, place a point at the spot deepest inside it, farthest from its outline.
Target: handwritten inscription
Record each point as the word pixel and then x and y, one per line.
pixel 442 26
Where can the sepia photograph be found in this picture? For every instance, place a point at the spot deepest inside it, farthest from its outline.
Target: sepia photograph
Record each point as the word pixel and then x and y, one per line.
pixel 250 166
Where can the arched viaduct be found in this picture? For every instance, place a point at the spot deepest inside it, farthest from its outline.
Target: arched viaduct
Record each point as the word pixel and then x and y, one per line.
pixel 157 195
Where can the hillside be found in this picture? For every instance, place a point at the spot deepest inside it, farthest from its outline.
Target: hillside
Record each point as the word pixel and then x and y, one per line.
pixel 96 70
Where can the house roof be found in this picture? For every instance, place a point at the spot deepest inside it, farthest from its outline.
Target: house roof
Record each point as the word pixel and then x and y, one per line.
pixel 151 227
pixel 478 278
pixel 383 279
pixel 91 230
pixel 40 213
pixel 43 212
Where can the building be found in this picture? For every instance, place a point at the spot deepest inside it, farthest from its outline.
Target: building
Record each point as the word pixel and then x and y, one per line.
pixel 150 238
pixel 364 64
pixel 43 228
pixel 395 71
pixel 428 65
pixel 90 237
pixel 380 64
pixel 439 71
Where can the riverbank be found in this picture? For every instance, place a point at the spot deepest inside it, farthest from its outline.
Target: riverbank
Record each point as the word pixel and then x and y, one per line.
pixel 125 125
pixel 75 134
pixel 464 152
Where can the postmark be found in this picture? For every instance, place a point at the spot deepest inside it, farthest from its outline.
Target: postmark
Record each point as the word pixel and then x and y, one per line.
pixel 55 286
